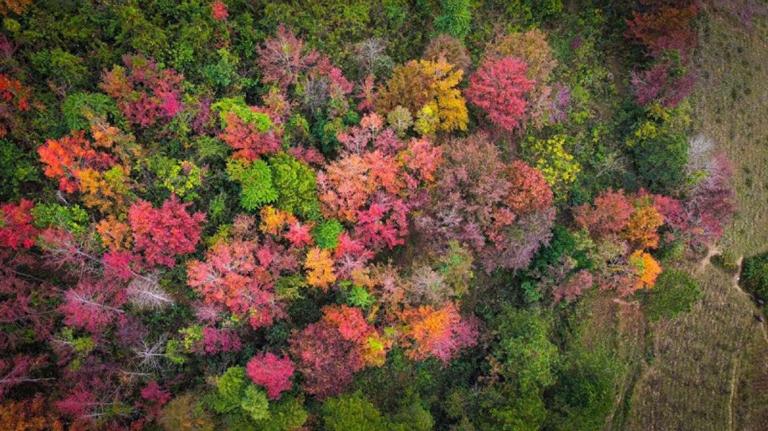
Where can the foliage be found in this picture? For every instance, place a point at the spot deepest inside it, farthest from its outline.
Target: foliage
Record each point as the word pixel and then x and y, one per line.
pixel 271 372
pixel 472 204
pixel 16 169
pixel 296 186
pixel 660 149
pixel 375 255
pixel 73 219
pixel 430 85
pixel 455 18
pixel 326 234
pixel 234 278
pixel 16 229
pixel 144 92
pixel 554 161
pixel 79 108
pixel 451 49
pixel 675 292
pixel 754 276
pixel 163 233
pixel 235 396
pixel 440 333
pixel 533 49
pixel 28 415
pixel 352 412
pixel 185 413
pixel 256 185
pixel 499 87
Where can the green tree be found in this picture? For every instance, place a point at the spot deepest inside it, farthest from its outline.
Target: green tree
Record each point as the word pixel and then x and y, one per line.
pixel 352 412
pixel 455 18
pixel 296 186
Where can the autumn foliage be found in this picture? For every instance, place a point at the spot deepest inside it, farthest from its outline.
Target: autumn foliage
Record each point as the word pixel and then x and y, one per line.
pixel 290 215
pixel 161 234
pixel 499 87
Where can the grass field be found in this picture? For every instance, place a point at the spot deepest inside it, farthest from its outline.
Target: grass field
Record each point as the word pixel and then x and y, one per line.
pixel 708 369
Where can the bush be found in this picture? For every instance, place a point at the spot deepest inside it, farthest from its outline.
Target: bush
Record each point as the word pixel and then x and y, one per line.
pixel 659 148
pixel 675 292
pixel 754 278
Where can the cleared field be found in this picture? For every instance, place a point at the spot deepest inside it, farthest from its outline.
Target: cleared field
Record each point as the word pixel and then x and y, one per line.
pixel 708 369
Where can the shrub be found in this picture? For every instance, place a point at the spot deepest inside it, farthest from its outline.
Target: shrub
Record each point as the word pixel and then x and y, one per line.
pixel 659 148
pixel 754 278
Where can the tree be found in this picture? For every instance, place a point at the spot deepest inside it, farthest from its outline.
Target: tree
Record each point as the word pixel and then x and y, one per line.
pixel 16 229
pixel 330 351
pixel 319 267
pixel 609 215
pixel 533 49
pixel 185 413
pixel 551 157
pixel 451 49
pixel 247 129
pixel 144 92
pixel 663 27
pixel 14 96
pixel 219 10
pixel 711 203
pixel 234 278
pixel 666 81
pixel 642 227
pixel 529 191
pixel 455 18
pixel 271 372
pixel 352 412
pixel 93 305
pixel 523 360
pixel 471 203
pixel 646 269
pixel 296 186
pixel 29 415
pixel 326 234
pixel 256 186
pixel 163 233
pixel 422 84
pixel 439 333
pixel 499 88
pixel 66 158
pixel 283 58
pixel 573 286
pixel 659 147
pixel 237 397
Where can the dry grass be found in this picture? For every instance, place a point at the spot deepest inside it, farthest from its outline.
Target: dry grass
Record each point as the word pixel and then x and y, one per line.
pixel 709 367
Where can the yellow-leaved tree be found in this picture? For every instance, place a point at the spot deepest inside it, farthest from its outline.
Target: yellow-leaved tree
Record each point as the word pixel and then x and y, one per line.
pixel 427 89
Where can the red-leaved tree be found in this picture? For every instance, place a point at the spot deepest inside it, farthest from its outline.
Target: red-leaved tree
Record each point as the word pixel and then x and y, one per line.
pixel 161 234
pixel 499 87
pixel 272 372
pixel 16 229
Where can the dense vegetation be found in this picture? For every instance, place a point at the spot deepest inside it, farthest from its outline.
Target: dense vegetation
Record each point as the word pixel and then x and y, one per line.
pixel 342 215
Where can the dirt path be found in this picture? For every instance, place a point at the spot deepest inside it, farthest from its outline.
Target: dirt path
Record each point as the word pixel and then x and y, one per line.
pixel 712 251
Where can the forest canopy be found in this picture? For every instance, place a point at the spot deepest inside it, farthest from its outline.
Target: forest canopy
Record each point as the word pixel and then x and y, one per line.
pixel 341 215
